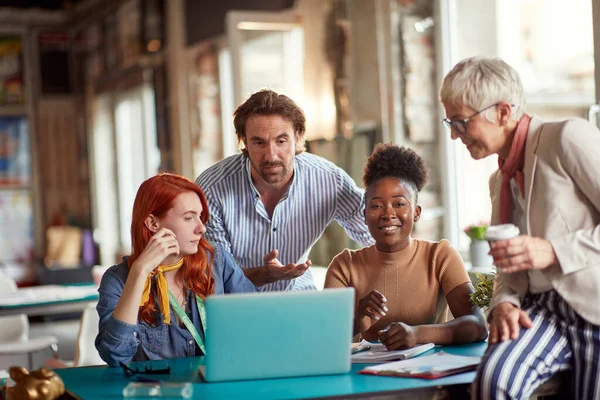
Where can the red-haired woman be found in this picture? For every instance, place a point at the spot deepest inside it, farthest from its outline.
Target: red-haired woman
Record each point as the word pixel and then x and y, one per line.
pixel 151 305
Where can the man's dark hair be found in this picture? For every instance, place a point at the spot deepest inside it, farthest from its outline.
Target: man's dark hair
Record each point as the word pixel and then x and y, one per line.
pixel 268 102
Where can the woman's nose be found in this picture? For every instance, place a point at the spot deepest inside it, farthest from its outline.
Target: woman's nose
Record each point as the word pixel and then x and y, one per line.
pixel 201 228
pixel 389 213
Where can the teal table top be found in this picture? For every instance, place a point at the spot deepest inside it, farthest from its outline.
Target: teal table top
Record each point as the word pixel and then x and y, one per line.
pixel 47 299
pixel 106 383
pixel 48 303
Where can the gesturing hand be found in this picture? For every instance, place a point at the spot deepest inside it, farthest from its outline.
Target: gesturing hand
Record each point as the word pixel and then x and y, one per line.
pixel 161 245
pixel 370 309
pixel 398 335
pixel 522 253
pixel 277 271
pixel 506 322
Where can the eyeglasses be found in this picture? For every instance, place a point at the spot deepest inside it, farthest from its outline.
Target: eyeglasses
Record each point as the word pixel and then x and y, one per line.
pixel 460 125
pixel 129 372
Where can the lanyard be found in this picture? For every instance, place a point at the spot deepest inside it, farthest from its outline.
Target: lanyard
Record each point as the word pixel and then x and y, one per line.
pixel 186 320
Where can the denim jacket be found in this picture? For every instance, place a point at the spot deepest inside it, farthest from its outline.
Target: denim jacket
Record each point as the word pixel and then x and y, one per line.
pixel 120 341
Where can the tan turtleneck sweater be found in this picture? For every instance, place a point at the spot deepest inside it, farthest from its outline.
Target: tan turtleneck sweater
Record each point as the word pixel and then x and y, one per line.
pixel 414 280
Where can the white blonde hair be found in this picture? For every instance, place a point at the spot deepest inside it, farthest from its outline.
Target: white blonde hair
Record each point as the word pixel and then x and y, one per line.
pixel 479 82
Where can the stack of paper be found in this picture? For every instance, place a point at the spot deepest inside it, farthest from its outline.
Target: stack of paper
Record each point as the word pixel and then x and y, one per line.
pixel 377 353
pixel 428 367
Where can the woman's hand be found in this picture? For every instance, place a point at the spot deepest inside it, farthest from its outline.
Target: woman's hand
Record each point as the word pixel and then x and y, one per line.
pixel 522 253
pixel 507 320
pixel 161 245
pixel 398 335
pixel 370 309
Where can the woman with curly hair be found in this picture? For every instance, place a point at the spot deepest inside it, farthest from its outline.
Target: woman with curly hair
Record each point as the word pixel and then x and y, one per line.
pixel 404 285
pixel 151 306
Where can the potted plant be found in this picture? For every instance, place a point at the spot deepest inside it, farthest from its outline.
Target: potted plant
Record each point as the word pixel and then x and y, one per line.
pixel 479 247
pixel 484 289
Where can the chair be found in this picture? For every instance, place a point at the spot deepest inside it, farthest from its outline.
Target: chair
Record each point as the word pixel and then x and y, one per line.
pixel 85 351
pixel 318 273
pixel 14 335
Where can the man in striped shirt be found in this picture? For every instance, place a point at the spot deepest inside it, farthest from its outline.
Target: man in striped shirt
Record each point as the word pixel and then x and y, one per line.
pixel 275 199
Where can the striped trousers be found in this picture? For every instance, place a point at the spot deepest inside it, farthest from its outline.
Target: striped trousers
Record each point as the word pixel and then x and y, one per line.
pixel 559 339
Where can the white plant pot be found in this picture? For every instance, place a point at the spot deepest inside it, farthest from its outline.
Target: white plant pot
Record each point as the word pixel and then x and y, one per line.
pixel 478 250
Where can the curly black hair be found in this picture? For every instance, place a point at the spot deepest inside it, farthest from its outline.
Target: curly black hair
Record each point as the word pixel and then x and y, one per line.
pixel 390 160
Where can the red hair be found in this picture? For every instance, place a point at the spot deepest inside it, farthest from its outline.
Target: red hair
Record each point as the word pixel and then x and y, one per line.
pixel 156 196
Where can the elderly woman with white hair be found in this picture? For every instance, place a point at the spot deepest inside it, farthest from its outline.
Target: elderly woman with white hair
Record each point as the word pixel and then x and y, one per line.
pixel 545 312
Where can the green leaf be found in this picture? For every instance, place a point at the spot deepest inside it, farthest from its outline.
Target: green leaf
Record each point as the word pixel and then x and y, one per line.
pixel 484 290
pixel 476 232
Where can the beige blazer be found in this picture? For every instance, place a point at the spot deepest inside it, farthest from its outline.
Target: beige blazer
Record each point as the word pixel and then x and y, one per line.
pixel 562 192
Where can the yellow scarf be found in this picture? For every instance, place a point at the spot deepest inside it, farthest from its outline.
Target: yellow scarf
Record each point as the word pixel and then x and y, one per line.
pixel 161 284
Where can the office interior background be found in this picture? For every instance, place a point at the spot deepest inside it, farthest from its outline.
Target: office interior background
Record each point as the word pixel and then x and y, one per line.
pixel 98 95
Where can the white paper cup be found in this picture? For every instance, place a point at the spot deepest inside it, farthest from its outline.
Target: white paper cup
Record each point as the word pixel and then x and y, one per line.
pixel 501 232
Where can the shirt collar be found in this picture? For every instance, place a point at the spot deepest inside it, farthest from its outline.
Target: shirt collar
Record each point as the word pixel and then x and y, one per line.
pixel 248 168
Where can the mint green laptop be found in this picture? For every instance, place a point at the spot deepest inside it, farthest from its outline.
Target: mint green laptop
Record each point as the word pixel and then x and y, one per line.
pixel 278 334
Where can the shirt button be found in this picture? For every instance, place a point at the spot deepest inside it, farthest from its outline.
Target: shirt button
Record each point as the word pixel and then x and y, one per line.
pixel 191 341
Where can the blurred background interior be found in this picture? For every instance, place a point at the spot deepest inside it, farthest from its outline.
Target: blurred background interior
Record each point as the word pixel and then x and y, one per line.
pixel 98 95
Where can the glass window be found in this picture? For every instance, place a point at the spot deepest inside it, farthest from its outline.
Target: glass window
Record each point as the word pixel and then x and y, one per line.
pixel 125 154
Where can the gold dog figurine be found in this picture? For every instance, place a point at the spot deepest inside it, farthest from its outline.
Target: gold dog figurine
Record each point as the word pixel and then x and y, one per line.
pixel 41 384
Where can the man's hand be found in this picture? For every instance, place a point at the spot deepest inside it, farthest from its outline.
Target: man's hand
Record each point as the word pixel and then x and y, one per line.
pixel 370 309
pixel 522 253
pixel 398 335
pixel 506 322
pixel 273 270
pixel 277 271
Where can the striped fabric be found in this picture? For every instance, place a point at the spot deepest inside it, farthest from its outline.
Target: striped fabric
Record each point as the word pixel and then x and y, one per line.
pixel 559 340
pixel 319 194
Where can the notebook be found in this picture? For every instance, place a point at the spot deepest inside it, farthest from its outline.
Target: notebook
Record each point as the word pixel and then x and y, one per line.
pixel 377 352
pixel 278 334
pixel 431 366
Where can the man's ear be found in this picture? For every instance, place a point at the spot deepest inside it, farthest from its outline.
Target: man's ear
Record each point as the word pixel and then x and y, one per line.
pixel 299 141
pixel 152 223
pixel 417 214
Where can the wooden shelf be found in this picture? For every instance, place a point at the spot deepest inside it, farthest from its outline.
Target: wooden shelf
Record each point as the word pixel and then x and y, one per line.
pixel 15 186
pixel 16 110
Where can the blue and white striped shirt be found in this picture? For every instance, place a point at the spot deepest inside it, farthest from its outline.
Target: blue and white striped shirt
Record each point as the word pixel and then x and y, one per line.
pixel 320 192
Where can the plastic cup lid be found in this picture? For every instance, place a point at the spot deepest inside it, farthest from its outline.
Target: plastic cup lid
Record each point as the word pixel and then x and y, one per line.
pixel 502 232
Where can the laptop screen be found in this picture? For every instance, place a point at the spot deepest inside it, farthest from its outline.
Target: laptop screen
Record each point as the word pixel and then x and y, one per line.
pixel 278 334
